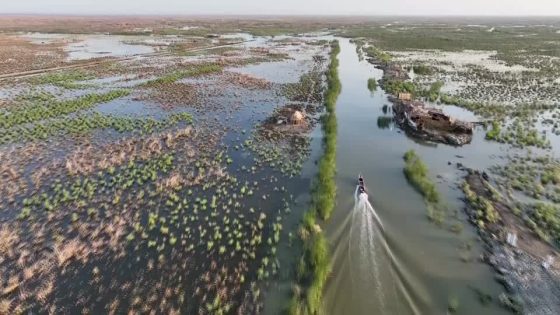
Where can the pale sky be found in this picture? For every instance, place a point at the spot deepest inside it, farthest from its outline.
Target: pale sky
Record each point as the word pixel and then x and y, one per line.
pixel 285 7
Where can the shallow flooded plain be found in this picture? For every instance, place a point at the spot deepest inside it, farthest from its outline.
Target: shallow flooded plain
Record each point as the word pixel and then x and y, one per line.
pixel 156 182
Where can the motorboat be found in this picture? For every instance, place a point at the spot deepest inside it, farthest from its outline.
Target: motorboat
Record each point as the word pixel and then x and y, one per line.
pixel 361 185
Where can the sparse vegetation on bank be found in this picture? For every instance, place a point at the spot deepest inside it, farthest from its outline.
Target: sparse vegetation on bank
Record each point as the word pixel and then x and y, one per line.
pixel 399 86
pixel 377 54
pixel 483 208
pixel 433 93
pixel 546 218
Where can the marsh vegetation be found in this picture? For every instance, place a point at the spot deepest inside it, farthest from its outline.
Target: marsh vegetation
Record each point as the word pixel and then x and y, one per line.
pixel 122 174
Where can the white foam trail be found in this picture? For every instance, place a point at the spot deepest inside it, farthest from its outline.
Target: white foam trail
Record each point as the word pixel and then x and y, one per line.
pixel 376 261
pixel 380 284
pixel 368 267
pixel 361 202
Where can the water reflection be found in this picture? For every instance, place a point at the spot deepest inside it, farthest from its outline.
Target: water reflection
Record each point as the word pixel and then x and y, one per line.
pixel 385 122
pixel 385 109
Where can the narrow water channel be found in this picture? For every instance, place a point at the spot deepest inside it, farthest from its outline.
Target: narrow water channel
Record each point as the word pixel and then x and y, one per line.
pixel 403 264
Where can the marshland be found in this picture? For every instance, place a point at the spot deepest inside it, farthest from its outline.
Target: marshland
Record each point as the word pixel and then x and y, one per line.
pixel 209 165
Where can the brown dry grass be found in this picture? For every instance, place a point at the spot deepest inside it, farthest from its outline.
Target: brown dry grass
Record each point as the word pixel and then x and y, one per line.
pixel 18 54
pixel 64 252
pixel 91 158
pixel 8 238
pixel 247 81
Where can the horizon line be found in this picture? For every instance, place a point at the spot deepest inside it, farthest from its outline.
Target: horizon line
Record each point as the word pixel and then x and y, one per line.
pixel 271 15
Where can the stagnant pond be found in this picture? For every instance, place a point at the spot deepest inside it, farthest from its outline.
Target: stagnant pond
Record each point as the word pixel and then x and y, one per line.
pixel 402 263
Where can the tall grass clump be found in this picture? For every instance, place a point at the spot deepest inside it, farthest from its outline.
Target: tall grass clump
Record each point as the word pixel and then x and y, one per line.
pixel 314 265
pixel 416 173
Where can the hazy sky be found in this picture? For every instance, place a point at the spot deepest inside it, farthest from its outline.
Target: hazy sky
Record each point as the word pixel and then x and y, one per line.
pixel 281 7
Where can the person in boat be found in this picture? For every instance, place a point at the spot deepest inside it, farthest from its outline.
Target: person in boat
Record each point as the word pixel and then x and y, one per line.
pixel 361 195
pixel 362 188
pixel 361 192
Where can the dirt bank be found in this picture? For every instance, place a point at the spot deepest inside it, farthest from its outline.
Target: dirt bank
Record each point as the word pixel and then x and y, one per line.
pixel 528 267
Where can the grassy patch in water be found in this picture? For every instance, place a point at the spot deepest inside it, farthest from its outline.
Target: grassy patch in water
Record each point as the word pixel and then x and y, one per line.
pixel 47 107
pixel 372 84
pixel 535 177
pixel 84 124
pixel 196 70
pixel 314 266
pixel 518 134
pixel 416 173
pixel 65 79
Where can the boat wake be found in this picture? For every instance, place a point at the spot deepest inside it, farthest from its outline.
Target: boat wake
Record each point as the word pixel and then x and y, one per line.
pixel 375 269
pixel 368 276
